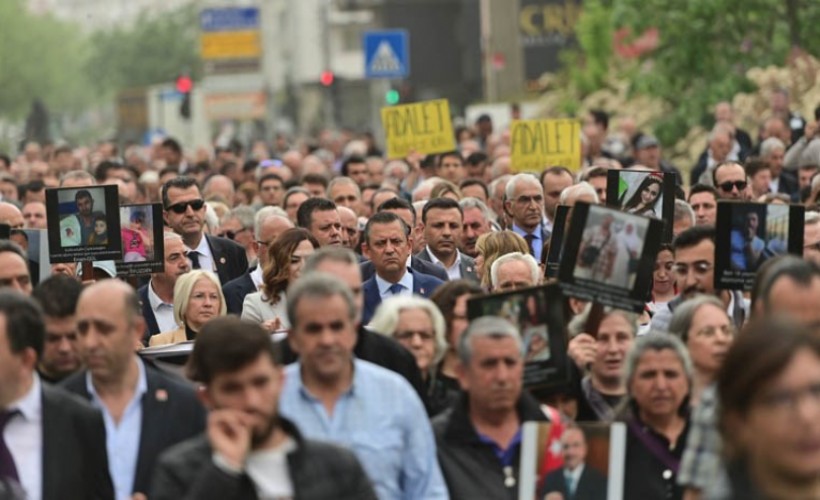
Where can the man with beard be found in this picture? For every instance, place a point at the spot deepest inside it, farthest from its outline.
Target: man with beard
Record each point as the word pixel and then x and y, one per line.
pixel 58 297
pixel 85 214
pixel 694 251
pixel 443 219
pixel 248 450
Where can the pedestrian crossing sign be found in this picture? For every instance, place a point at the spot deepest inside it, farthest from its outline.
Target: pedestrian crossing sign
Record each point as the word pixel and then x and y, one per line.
pixel 386 54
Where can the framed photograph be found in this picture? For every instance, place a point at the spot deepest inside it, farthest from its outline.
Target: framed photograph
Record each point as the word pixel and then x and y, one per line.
pixel 143 244
pixel 538 314
pixel 83 224
pixel 556 248
pixel 609 256
pixel 549 455
pixel 650 194
pixel 34 243
pixel 749 234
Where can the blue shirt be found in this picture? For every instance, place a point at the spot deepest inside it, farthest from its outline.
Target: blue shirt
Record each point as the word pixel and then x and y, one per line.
pixel 406 282
pixel 537 241
pixel 506 457
pixel 382 420
pixel 122 440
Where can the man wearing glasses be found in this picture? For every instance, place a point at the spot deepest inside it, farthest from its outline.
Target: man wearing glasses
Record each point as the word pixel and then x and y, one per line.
pixel 184 213
pixel 731 182
pixel 525 204
pixel 694 268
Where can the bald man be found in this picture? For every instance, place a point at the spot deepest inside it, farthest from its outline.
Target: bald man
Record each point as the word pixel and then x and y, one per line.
pixel 146 410
pixel 11 215
pixel 268 225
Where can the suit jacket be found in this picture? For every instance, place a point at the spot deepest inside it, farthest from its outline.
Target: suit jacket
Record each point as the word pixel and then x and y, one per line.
pixel 466 266
pixel 317 471
pixel 151 326
pixel 75 461
pixel 230 258
pixel 423 284
pixel 788 183
pixel 416 264
pixel 171 413
pixel 235 291
pixel 591 486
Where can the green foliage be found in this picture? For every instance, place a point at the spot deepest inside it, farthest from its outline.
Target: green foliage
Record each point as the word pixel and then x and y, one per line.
pixel 588 69
pixel 43 58
pixel 154 50
pixel 705 49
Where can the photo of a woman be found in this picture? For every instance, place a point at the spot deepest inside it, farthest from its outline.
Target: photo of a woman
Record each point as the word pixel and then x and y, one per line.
pixel 646 198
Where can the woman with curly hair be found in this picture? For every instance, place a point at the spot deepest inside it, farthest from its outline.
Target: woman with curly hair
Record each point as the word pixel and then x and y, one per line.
pixel 286 257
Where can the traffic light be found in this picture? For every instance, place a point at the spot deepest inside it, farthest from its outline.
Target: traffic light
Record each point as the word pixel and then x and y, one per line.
pixel 392 97
pixel 184 86
pixel 327 78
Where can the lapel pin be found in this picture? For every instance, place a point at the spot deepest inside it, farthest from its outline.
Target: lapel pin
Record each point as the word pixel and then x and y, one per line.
pixel 222 260
pixel 421 290
pixel 161 395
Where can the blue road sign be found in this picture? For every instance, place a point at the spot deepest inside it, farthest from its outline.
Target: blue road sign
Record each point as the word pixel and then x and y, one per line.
pixel 229 19
pixel 386 54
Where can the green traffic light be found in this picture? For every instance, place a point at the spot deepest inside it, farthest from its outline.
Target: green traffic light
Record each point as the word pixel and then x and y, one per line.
pixel 391 97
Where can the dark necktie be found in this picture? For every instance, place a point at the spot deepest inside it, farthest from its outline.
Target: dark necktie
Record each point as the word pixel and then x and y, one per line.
pixel 396 288
pixel 530 238
pixel 194 256
pixel 8 470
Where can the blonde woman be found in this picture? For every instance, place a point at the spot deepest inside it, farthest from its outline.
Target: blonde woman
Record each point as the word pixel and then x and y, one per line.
pixel 197 299
pixel 491 246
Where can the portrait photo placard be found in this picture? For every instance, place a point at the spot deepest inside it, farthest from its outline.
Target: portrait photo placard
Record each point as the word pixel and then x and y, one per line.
pixel 650 194
pixel 609 256
pixel 538 314
pixel 598 449
pixel 749 234
pixel 143 244
pixel 34 244
pixel 83 224
pixel 556 248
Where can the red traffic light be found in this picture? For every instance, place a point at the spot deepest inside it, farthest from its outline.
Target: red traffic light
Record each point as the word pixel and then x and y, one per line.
pixel 184 84
pixel 327 78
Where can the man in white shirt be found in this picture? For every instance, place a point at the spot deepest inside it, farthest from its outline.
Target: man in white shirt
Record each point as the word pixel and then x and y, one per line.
pixel 443 221
pixel 157 297
pixel 52 446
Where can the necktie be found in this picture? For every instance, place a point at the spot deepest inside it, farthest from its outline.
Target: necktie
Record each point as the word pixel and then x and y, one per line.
pixel 8 470
pixel 530 238
pixel 396 288
pixel 194 256
pixel 570 484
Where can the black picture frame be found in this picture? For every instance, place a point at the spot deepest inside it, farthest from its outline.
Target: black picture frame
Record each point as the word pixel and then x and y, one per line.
pixel 72 236
pixel 622 188
pixel 152 252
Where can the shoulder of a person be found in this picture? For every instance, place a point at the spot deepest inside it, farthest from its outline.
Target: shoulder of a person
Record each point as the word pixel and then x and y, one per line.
pixel 68 401
pixel 327 453
pixel 190 453
pixel 382 375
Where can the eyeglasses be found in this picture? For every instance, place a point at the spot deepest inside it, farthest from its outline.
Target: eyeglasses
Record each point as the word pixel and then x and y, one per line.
pixel 727 186
pixel 712 331
pixel 264 243
pixel 407 335
pixel 232 234
pixel 182 206
pixel 526 200
pixel 700 267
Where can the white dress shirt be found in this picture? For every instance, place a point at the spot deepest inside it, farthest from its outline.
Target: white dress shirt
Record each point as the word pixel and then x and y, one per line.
pixel 256 276
pixel 206 258
pixel 454 271
pixel 163 311
pixel 24 437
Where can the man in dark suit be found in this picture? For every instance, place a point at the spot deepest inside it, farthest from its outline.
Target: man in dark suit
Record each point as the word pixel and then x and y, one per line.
pixel 267 227
pixel 443 221
pixel 68 459
pixel 525 204
pixel 157 296
pixel 406 213
pixel 146 410
pixel 184 213
pixel 576 480
pixel 387 244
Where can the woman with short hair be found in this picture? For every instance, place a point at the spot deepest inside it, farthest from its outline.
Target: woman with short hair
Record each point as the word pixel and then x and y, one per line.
pixel 197 299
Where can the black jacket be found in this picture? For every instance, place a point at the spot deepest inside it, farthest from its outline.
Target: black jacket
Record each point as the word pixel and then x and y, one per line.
pixel 235 292
pixel 151 325
pixel 75 460
pixel 171 413
pixel 230 258
pixel 470 467
pixel 318 471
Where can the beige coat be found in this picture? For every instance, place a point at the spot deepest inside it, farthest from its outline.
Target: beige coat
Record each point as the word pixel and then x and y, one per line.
pixel 165 338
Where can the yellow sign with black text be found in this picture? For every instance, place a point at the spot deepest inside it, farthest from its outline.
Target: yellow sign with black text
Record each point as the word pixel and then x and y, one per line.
pixel 230 44
pixel 538 144
pixel 423 127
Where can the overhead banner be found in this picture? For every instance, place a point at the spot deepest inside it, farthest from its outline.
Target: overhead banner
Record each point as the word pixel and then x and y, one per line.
pixel 538 144
pixel 423 127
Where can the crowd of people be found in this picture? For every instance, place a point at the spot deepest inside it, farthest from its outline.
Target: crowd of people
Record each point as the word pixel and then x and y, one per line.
pixel 323 290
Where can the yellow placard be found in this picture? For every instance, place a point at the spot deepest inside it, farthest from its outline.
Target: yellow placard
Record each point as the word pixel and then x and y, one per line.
pixel 424 127
pixel 230 44
pixel 538 144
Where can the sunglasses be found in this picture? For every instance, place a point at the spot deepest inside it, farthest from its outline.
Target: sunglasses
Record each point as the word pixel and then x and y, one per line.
pixel 182 207
pixel 232 234
pixel 726 187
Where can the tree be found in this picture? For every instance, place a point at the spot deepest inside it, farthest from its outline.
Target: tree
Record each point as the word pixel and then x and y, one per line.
pixel 154 50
